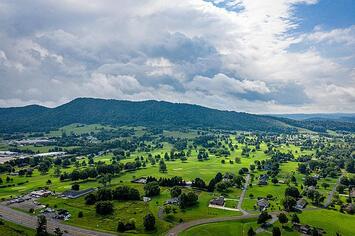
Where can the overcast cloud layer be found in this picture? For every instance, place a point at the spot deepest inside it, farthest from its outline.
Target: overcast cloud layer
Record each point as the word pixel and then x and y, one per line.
pixel 232 55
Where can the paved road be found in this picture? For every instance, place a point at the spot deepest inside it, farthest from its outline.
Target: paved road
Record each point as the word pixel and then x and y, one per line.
pixel 29 221
pixel 331 193
pixel 247 181
pixel 181 227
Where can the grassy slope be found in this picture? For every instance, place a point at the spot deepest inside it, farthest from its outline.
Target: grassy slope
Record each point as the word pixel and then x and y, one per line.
pixel 11 229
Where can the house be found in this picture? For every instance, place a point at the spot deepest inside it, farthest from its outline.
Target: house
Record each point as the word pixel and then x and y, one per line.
pixel 263 179
pixel 301 203
pixel 263 204
pixel 217 201
pixel 75 194
pixel 146 199
pixel 41 193
pixel 62 214
pixel 311 188
pixel 141 180
pixel 304 229
pixel 174 200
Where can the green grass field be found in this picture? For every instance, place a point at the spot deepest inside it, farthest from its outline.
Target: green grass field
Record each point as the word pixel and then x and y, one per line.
pixel 11 229
pixel 188 170
pixel 232 228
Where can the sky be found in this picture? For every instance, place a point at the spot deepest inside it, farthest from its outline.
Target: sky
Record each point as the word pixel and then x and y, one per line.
pixel 257 56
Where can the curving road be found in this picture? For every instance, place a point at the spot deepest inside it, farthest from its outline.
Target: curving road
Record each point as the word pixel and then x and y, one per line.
pixel 29 221
pixel 184 226
pixel 181 227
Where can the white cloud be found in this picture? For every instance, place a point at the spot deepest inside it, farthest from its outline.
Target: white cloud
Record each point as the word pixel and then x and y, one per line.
pixel 223 54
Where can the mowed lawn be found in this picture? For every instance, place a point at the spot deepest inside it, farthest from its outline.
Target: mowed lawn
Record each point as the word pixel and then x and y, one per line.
pixel 331 221
pixel 228 228
pixel 11 229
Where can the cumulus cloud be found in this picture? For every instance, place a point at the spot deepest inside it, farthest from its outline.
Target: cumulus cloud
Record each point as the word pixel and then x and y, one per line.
pixel 234 55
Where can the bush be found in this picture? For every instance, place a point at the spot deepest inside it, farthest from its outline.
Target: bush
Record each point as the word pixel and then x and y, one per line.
pixel 104 207
pixel 175 191
pixel 152 189
pixel 90 199
pixel 125 193
pixel 149 222
pixel 121 227
pixel 80 214
pixel 131 224
pixel 188 199
pixel 75 187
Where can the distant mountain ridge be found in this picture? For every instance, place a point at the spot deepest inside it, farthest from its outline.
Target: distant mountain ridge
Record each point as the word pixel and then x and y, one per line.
pixel 151 114
pixel 348 117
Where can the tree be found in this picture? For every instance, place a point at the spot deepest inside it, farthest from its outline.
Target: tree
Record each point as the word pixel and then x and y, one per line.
pixel 58 232
pixel 251 232
pixel 263 217
pixel 292 191
pixel 198 183
pixel 175 191
pixel 218 177
pixel 274 180
pixel 75 187
pixel 131 224
pixel 295 218
pixel 41 229
pixel 211 185
pixel 120 226
pixel 49 182
pixel 152 189
pixel 90 199
pixel 222 186
pixel 315 232
pixel 325 185
pixel 104 194
pixel 149 221
pixel 310 181
pixel 57 171
pixel 80 214
pixel 276 231
pixel 302 168
pixel 105 179
pixel 188 199
pixel 238 181
pixel 289 203
pixel 162 166
pixel 283 218
pixel 252 167
pixel 125 193
pixel 104 207
pixel 350 166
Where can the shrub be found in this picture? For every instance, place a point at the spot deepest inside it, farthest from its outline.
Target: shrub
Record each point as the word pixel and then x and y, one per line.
pixel 149 222
pixel 104 207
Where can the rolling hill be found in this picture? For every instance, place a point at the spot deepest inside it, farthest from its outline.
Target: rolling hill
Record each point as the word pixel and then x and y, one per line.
pixel 151 114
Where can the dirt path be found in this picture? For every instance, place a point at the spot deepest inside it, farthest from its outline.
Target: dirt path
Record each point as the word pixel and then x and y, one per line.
pixel 29 221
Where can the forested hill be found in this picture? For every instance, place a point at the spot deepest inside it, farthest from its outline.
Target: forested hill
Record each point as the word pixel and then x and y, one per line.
pixel 145 113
